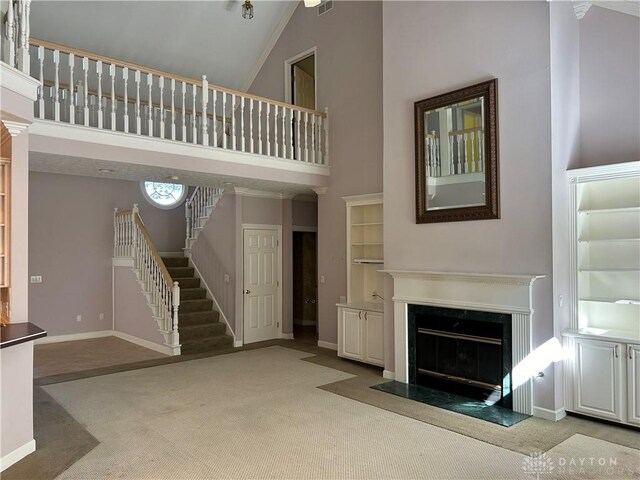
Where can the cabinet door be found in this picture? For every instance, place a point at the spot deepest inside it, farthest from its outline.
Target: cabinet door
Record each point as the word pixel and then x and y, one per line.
pixel 350 333
pixel 374 338
pixel 598 380
pixel 633 384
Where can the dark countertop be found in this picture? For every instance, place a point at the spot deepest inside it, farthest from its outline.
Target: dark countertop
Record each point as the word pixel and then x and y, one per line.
pixel 16 333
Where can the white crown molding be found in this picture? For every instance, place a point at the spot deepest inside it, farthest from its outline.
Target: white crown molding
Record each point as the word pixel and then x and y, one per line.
pixel 18 82
pixel 14 128
pixel 622 6
pixel 275 35
pixel 248 192
pixel 321 190
pixel 603 172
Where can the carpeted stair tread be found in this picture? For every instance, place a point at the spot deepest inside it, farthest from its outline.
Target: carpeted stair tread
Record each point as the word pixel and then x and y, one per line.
pixel 175 261
pixel 198 305
pixel 197 318
pixel 192 293
pixel 180 272
pixel 206 344
pixel 187 282
pixel 200 332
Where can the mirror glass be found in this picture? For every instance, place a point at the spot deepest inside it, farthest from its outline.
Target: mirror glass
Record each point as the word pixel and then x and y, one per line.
pixel 456 137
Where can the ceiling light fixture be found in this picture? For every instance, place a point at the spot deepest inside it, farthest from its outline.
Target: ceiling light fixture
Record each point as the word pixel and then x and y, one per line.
pixel 247 10
pixel 106 170
pixel 311 3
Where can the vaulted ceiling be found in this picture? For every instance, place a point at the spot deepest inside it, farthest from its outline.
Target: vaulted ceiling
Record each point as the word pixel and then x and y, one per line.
pixel 190 38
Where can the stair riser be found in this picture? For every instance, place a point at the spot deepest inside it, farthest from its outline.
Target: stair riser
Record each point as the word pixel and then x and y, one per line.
pixel 205 331
pixel 180 272
pixel 198 306
pixel 208 346
pixel 188 282
pixel 199 318
pixel 195 294
pixel 171 262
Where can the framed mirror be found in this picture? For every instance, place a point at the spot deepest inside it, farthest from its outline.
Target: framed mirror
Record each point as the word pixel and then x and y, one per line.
pixel 456 138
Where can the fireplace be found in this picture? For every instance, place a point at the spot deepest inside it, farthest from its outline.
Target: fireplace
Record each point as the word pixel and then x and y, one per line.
pixel 463 352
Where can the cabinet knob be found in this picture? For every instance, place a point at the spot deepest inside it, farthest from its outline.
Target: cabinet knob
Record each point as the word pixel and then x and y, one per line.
pixel 629 352
pixel 365 315
pixel 615 351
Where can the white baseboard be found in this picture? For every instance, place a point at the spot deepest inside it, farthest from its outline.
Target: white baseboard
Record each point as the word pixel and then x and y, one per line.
pixel 17 455
pixel 286 336
pixel 73 337
pixel 330 346
pixel 167 350
pixel 389 375
pixel 237 343
pixel 553 415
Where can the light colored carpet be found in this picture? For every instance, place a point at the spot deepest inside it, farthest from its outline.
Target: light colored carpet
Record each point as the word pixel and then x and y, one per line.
pixel 258 414
pixel 67 357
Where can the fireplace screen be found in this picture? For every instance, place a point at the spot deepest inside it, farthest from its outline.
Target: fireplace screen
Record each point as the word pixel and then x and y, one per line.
pixel 462 352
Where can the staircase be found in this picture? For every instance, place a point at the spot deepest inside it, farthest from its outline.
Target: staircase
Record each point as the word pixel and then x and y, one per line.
pixel 199 328
pixel 198 209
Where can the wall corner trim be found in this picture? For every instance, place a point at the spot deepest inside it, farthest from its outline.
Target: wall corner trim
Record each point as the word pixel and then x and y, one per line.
pixel 166 349
pixel 389 374
pixel 329 345
pixel 286 336
pixel 553 415
pixel 73 337
pixel 237 343
pixel 17 455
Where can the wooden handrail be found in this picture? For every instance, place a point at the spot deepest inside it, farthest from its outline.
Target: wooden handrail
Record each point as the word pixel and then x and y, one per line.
pixel 120 214
pixel 133 66
pixel 154 252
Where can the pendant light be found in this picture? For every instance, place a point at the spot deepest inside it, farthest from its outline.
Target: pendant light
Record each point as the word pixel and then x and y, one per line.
pixel 247 10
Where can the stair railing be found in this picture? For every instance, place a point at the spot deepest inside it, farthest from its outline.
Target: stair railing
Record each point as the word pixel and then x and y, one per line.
pixel 15 51
pixel 132 240
pixel 84 88
pixel 196 208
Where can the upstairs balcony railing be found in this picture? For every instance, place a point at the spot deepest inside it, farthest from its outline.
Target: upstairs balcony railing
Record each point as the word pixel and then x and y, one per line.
pixel 84 88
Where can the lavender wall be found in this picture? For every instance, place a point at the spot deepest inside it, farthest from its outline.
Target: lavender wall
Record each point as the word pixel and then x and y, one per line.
pixel 71 246
pixel 304 214
pixel 435 47
pixel 214 253
pixel 349 77
pixel 609 87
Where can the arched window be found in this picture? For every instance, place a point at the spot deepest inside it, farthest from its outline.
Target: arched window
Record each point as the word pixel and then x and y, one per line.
pixel 164 195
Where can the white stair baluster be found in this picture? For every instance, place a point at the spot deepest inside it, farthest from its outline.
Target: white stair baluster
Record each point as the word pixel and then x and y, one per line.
pixel 72 107
pixel 138 112
pixel 292 140
pixel 125 77
pixel 251 125
pixel 459 144
pixel 306 136
pixel 215 118
pixel 298 141
pixel 242 139
pixel 326 136
pixel 173 109
pixel 112 74
pixel 319 140
pixel 150 119
pixel 472 158
pixel 10 46
pixel 85 69
pixel 259 127
pixel 233 121
pixel 481 152
pixel 100 112
pixel 194 126
pixel 283 146
pixel 205 115
pixel 161 85
pixel 275 131
pixel 56 93
pixel 41 89
pixel 184 112
pixel 224 119
pixel 268 133
pixel 313 138
pixel 438 159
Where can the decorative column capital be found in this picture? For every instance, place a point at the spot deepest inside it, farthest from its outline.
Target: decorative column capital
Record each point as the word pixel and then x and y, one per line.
pixel 321 190
pixel 15 128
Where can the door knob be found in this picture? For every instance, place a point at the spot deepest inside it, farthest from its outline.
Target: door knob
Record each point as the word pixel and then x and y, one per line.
pixel 246 292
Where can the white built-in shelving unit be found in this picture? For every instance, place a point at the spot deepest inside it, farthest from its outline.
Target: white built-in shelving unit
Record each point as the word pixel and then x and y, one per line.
pixel 604 338
pixel 361 317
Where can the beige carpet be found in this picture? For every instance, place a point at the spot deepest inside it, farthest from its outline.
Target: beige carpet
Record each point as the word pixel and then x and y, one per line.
pixel 258 414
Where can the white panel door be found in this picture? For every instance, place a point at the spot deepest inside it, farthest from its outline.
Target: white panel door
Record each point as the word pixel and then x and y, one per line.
pixel 374 338
pixel 633 384
pixel 350 333
pixel 261 299
pixel 599 378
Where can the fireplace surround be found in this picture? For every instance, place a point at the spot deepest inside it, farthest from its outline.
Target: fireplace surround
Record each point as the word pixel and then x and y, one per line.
pixel 463 292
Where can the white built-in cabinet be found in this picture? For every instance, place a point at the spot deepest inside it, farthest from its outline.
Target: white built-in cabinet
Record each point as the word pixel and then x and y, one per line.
pixel 603 343
pixel 361 317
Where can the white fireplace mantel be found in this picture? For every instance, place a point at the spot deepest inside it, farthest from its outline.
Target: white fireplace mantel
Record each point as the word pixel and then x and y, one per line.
pixel 487 292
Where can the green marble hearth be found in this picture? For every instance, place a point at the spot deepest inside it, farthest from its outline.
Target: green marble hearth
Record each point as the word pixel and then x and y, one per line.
pixel 455 403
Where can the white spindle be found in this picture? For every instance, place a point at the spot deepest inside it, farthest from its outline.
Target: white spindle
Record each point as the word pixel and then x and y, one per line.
pixel 473 153
pixel 233 121
pixel 56 93
pixel 205 104
pixel 319 140
pixel 85 70
pixel 259 127
pixel 313 138
pixel 125 77
pixel 439 158
pixel 268 134
pixel 184 112
pixel 41 89
pixel 326 136
pixel 194 126
pixel 283 147
pixel 251 125
pixel 138 113
pixel 459 144
pixel 481 152
pixel 24 63
pixel 112 74
pixel 72 107
pixel 173 109
pixel 224 119
pixel 99 73
pixel 215 118
pixel 10 45
pixel 306 136
pixel 161 85
pixel 150 118
pixel 242 141
pixel 275 131
pixel 298 141
pixel 290 125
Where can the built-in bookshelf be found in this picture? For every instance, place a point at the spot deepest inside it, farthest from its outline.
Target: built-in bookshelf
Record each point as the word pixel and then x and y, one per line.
pixel 5 220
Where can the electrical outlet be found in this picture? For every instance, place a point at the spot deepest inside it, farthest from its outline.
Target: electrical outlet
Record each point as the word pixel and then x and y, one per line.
pixel 321 278
pixel 101 316
pixel 561 300
pixel 79 318
pixel 226 278
pixel 375 293
pixel 36 278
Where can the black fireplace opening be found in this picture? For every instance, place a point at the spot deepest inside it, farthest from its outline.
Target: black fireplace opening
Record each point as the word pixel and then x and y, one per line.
pixel 464 352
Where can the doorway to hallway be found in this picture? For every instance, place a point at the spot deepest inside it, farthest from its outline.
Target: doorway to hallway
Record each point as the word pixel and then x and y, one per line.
pixel 305 298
